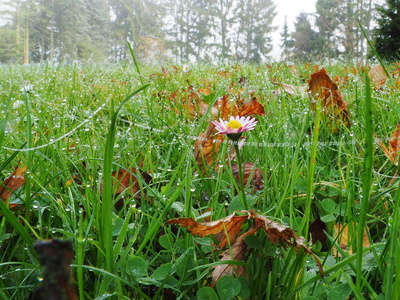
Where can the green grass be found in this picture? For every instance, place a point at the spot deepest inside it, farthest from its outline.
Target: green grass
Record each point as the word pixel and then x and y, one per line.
pixel 84 122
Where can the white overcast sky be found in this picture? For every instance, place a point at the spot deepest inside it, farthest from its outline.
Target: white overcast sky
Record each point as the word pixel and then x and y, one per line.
pixel 289 8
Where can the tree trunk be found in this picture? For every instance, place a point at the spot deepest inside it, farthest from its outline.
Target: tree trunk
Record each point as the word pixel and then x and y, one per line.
pixel 26 43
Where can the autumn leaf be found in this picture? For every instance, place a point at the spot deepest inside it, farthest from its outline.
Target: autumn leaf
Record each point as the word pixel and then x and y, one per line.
pixel 344 239
pixel 12 183
pixel 394 146
pixel 334 108
pixel 239 107
pixel 378 76
pixel 190 103
pixel 317 231
pixel 236 252
pixel 230 226
pixel 206 146
pixel 249 169
pixel 291 90
pixel 124 180
pixel 278 233
pixel 226 228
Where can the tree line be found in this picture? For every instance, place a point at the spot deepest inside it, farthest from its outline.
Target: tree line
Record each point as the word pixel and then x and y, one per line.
pixel 181 30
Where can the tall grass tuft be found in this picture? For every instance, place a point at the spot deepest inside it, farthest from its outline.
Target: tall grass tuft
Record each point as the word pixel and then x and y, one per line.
pixel 80 123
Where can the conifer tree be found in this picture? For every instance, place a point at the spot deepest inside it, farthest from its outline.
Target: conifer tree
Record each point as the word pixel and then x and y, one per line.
pixel 327 23
pixel 287 42
pixel 387 34
pixel 306 42
pixel 255 19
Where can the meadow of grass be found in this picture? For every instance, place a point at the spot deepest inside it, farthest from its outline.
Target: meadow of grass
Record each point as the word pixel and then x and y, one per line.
pixel 72 125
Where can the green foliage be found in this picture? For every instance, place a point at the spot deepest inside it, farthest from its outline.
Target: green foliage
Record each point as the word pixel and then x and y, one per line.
pixel 59 129
pixel 386 34
pixel 307 43
pixel 255 24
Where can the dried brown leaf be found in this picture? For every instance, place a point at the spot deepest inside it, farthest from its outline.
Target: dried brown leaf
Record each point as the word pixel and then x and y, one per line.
pixel 392 152
pixel 334 108
pixel 236 252
pixel 345 239
pixel 206 146
pixel 256 180
pixel 124 179
pixel 230 226
pixel 12 183
pixel 239 107
pixel 378 76
pixel 226 228
pixel 290 89
pixel 280 234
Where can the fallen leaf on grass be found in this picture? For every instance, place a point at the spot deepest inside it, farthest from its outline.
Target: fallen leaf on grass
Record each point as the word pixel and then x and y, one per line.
pixel 333 107
pixel 256 179
pixel 225 229
pixel 230 227
pixel 392 153
pixel 236 252
pixel 317 231
pixel 239 107
pixel 190 103
pixel 206 146
pixel 278 233
pixel 290 89
pixel 344 240
pixel 12 183
pixel 378 76
pixel 127 180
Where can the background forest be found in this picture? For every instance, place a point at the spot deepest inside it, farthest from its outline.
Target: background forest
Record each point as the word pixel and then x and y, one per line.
pixel 178 30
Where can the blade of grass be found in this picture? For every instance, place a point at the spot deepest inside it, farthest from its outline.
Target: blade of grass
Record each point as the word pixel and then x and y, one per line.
pixel 29 156
pixel 366 180
pixel 391 277
pixel 106 240
pixel 14 222
pixel 311 170
pixel 373 49
pixel 135 62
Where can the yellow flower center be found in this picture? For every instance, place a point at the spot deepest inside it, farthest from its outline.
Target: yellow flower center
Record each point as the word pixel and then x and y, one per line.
pixel 234 124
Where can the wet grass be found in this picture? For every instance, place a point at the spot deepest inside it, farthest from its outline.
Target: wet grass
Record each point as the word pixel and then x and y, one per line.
pixel 73 125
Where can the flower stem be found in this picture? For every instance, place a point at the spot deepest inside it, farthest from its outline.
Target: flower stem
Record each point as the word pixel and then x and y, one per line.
pixel 241 177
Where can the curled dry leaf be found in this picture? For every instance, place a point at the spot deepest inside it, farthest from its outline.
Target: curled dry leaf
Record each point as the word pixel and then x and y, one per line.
pixel 127 180
pixel 236 252
pixel 334 108
pixel 317 231
pixel 392 153
pixel 290 89
pixel 225 229
pixel 378 76
pixel 239 107
pixel 344 240
pixel 12 183
pixel 230 226
pixel 250 171
pixel 206 146
pixel 190 103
